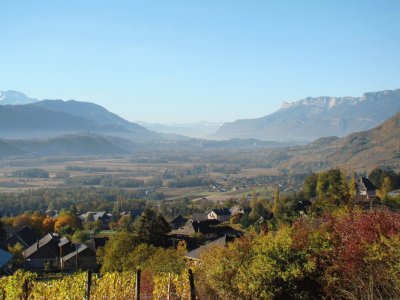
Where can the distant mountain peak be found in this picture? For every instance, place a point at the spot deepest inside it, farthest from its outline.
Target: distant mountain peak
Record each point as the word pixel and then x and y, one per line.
pixel 330 102
pixel 323 101
pixel 12 97
pixel 310 118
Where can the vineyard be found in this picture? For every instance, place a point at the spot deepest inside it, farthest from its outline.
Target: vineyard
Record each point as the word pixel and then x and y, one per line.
pixel 110 286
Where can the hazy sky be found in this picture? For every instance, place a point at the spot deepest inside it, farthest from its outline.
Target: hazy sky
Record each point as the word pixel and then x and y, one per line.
pixel 186 61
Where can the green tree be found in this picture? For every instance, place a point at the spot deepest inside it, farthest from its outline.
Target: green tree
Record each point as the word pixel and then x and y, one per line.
pixel 16 251
pixel 3 236
pixel 80 236
pixel 387 186
pixel 310 186
pixel 125 223
pixel 153 228
pixel 276 200
pixel 114 256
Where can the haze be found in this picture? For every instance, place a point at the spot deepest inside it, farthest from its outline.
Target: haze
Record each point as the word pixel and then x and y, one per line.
pixel 188 61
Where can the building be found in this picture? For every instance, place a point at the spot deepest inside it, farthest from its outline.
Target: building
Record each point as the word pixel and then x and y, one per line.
pixel 220 214
pixel 5 260
pixel 81 258
pixel 177 222
pixel 24 235
pixel 43 254
pixel 365 187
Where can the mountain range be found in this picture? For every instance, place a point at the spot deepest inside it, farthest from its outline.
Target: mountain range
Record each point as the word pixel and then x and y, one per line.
pixel 62 128
pixel 365 150
pixel 50 118
pixel 312 118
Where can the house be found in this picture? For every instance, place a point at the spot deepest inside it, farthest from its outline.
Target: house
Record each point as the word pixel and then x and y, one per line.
pixel 365 193
pixel 65 247
pixel 208 229
pixel 81 258
pixel 24 235
pixel 195 253
pixel 236 210
pixel 220 214
pixel 5 259
pixel 96 242
pixel 365 187
pixel 395 193
pixel 43 254
pixel 95 216
pixel 199 217
pixel 177 222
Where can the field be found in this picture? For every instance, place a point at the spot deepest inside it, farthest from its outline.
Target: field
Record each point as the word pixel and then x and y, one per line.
pixel 61 171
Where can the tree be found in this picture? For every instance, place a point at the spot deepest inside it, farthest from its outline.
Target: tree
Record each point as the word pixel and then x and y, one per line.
pixel 65 220
pixel 153 228
pixel 36 221
pixel 22 220
pixel 79 236
pixel 220 271
pixel 387 186
pixel 276 200
pixel 310 186
pixel 3 236
pixel 125 223
pixel 114 256
pixel 16 251
pixel 353 186
pixel 166 261
pixel 48 224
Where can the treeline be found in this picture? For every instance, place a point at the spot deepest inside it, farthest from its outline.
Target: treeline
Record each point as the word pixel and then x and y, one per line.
pixel 106 181
pixel 30 173
pixel 85 199
pixel 86 169
pixel 190 182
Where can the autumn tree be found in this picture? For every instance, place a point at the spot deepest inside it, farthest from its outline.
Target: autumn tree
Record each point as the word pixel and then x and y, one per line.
pixel 22 220
pixel 113 257
pixel 386 187
pixel 65 220
pixel 48 224
pixel 125 223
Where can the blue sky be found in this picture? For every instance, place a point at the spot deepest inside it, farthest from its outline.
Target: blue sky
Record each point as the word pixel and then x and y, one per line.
pixel 187 61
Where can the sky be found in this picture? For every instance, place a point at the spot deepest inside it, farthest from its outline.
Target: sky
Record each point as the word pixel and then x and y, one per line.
pixel 186 61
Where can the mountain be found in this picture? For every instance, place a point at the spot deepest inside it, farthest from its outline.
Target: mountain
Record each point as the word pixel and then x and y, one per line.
pixel 311 118
pixel 66 145
pixel 377 147
pixel 7 150
pixel 90 111
pixel 15 98
pixel 49 118
pixel 195 130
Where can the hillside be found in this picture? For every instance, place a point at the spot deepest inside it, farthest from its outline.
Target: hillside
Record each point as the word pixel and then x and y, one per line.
pixel 51 118
pixel 379 146
pixel 311 118
pixel 7 150
pixel 67 145
pixel 90 111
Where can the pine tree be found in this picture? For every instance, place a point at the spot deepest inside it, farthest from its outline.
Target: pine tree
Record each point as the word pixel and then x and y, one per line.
pixel 3 236
pixel 276 200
